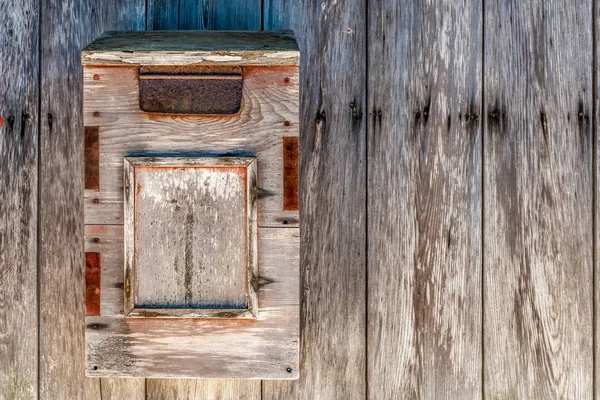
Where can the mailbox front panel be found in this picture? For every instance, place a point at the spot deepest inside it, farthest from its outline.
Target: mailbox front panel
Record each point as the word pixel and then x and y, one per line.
pixel 192 222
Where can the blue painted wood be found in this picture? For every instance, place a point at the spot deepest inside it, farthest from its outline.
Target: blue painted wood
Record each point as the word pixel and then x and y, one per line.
pixel 279 14
pixel 220 15
pixel 162 15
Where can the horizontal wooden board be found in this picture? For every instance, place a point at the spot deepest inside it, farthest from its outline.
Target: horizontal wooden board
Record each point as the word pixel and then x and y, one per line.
pixel 266 347
pixel 193 47
pixel 112 102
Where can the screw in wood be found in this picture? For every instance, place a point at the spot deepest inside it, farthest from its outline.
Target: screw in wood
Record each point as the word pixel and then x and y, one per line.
pixel 96 114
pixel 287 123
pixel 96 77
pixel 286 80
pixel 289 370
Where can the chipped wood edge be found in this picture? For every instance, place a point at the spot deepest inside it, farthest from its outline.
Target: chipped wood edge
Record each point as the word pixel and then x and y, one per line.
pixel 225 58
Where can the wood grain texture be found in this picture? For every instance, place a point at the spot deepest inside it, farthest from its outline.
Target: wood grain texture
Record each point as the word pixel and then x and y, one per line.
pixel 281 14
pixel 162 14
pixel 192 224
pixel 220 15
pixel 156 347
pixel 198 18
pixel 538 200
pixel 269 100
pixel 67 26
pixel 205 389
pixel 332 40
pixel 19 116
pixel 230 48
pixel 425 198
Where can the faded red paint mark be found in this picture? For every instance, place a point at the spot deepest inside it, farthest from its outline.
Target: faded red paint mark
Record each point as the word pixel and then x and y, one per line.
pixel 93 267
pixel 291 173
pixel 92 157
pixel 1 122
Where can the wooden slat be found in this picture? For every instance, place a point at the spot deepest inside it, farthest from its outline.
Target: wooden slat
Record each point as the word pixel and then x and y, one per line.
pixel 424 205
pixel 332 38
pixel 229 48
pixel 194 16
pixel 538 200
pixel 205 389
pixel 280 14
pixel 67 26
pixel 19 69
pixel 162 15
pixel 219 15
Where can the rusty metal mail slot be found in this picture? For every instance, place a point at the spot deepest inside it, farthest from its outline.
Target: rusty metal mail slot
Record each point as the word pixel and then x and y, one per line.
pixel 191 90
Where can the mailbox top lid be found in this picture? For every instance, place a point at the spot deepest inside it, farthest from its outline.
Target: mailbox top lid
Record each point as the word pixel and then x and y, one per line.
pixel 237 48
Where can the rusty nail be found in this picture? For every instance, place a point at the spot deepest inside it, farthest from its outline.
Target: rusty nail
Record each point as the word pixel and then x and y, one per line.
pixel 95 326
pixel 96 240
pixel 95 201
pixel 289 370
pixel 287 80
pixel 96 114
pixel 285 221
pixel 95 368
pixel 96 77
pixel 287 123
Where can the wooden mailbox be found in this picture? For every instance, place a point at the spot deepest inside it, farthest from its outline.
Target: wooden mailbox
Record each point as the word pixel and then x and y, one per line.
pixel 191 204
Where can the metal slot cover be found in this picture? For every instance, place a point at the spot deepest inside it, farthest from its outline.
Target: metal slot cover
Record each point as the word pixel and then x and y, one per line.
pixel 195 90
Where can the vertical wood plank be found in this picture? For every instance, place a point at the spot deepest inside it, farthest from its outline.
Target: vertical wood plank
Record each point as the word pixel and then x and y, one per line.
pixel 67 26
pixel 279 14
pixel 205 389
pixel 332 39
pixel 538 200
pixel 19 90
pixel 220 15
pixel 162 15
pixel 200 15
pixel 424 204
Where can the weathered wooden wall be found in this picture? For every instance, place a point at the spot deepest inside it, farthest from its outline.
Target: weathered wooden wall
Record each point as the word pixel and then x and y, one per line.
pixel 448 209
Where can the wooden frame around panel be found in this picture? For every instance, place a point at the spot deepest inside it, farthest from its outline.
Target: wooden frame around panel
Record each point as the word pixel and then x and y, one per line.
pixel 129 165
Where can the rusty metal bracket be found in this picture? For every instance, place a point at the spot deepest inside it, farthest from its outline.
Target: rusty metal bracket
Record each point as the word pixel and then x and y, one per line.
pixel 195 90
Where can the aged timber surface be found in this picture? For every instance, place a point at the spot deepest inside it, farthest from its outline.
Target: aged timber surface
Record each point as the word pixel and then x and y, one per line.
pixel 538 200
pixel 19 69
pixel 424 204
pixel 196 14
pixel 331 36
pixel 67 26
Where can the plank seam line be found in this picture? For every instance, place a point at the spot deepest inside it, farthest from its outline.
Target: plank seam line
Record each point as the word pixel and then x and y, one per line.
pixel 367 105
pixel 39 192
pixel 482 240
pixel 594 195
